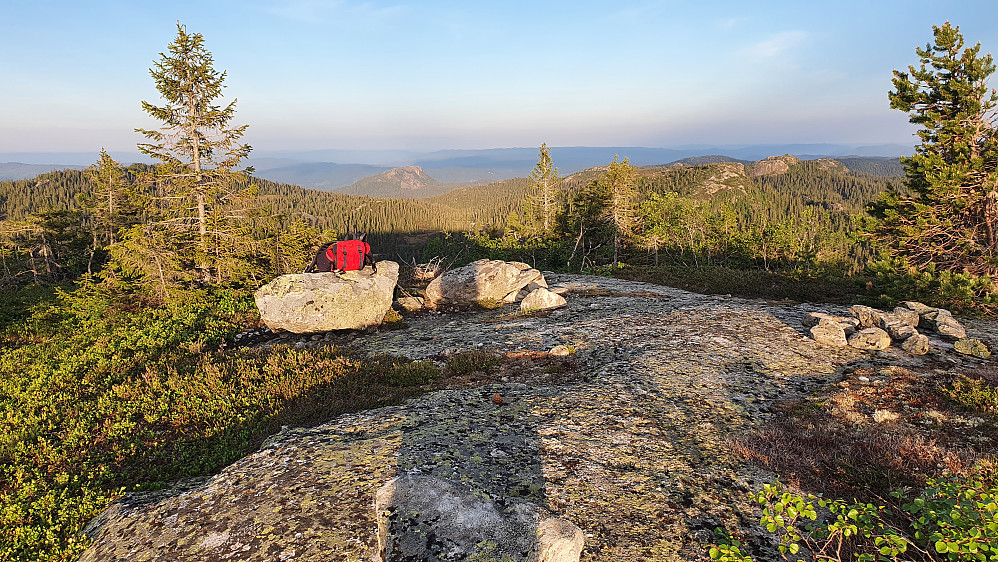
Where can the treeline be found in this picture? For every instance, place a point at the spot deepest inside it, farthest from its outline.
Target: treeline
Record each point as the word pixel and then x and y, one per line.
pixel 684 215
pixel 712 214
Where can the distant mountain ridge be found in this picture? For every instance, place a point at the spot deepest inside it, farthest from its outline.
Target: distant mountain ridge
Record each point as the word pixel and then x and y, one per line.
pixel 333 169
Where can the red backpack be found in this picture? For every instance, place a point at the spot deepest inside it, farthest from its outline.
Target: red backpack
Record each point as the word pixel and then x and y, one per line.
pixel 348 255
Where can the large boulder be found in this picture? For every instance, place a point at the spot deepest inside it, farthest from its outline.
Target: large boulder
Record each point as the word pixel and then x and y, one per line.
pixel 484 283
pixel 319 302
pixel 425 518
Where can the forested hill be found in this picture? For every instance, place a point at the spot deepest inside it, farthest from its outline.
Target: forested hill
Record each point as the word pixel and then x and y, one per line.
pixel 409 182
pixel 401 226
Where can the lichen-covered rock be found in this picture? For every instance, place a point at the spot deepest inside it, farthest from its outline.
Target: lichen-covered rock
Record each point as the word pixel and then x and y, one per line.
pixel 868 317
pixel 942 321
pixel 829 332
pixel 542 299
pixel 951 330
pixel 484 281
pixel 917 344
pixel 847 323
pixel 971 346
pixel 873 339
pixel 906 315
pixel 319 302
pixel 898 327
pixel 431 519
pixel 917 307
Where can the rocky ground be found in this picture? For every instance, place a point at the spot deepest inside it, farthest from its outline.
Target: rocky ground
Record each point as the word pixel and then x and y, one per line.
pixel 629 436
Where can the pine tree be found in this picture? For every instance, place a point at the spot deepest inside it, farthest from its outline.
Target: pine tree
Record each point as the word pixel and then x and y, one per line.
pixel 947 221
pixel 198 150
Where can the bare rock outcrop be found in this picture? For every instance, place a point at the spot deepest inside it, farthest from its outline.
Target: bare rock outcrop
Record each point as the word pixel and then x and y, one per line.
pixel 773 166
pixel 320 302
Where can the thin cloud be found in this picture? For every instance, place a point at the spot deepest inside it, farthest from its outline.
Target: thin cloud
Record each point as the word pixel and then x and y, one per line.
pixel 730 23
pixel 774 46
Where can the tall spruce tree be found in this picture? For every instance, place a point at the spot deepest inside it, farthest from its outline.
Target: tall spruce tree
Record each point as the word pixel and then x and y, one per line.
pixel 621 192
pixel 543 200
pixel 196 182
pixel 947 220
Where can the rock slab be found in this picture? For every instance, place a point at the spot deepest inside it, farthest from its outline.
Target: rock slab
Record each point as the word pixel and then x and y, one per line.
pixel 429 519
pixel 320 302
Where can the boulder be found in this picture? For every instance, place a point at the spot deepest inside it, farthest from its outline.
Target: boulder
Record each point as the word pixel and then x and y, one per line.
pixel 906 315
pixel 917 344
pixel 484 282
pixel 815 318
pixel 917 307
pixel 868 317
pixel 873 339
pixel 425 518
pixel 319 302
pixel 897 326
pixel 829 332
pixel 942 321
pixel 971 346
pixel 542 299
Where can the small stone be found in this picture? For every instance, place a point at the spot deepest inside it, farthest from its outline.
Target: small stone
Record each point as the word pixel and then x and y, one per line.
pixel 973 347
pixel 561 350
pixel 871 339
pixel 411 304
pixel 898 328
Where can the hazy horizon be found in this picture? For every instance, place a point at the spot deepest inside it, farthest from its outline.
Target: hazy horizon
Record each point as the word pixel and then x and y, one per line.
pixel 381 75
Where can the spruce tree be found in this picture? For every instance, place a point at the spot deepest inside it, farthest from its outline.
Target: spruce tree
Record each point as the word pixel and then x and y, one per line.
pixel 196 182
pixel 543 184
pixel 621 192
pixel 946 222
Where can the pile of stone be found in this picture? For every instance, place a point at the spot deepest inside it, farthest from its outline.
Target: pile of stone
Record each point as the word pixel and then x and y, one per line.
pixel 871 329
pixel 488 284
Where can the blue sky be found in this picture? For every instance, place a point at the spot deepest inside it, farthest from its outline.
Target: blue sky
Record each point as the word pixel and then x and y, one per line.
pixel 318 74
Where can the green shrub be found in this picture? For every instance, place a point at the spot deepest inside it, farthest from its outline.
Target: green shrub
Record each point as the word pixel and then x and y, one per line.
pixel 974 394
pixel 100 395
pixel 953 518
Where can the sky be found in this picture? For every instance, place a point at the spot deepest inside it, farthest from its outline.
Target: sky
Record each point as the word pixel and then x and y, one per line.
pixel 430 75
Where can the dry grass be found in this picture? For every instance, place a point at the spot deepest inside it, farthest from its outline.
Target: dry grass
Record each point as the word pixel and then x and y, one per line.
pixel 865 438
